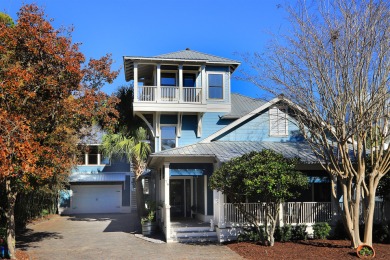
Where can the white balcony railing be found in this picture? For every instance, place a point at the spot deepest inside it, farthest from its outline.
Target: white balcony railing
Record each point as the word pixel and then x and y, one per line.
pixel 169 94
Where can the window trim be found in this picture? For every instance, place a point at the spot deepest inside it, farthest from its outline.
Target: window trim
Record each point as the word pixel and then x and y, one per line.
pixel 176 138
pixel 280 110
pixel 99 159
pixel 223 85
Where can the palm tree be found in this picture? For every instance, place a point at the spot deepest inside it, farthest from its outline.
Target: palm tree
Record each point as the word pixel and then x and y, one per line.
pixel 135 150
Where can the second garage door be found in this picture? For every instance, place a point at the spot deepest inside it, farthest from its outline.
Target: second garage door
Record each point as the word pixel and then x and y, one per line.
pixel 96 198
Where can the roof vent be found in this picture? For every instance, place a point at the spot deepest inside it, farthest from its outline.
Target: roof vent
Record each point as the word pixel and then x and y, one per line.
pixel 187 49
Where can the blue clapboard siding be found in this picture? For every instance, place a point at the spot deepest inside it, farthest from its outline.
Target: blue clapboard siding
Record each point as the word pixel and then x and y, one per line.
pixel 258 128
pixel 211 123
pixel 115 166
pixel 188 130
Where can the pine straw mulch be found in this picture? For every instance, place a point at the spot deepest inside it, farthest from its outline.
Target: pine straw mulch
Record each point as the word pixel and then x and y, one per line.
pixel 309 249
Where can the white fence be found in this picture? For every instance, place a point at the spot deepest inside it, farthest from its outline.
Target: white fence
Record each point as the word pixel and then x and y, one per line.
pixel 293 212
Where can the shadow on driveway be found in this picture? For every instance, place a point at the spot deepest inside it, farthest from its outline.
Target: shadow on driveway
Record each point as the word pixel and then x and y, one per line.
pixel 127 223
pixel 28 236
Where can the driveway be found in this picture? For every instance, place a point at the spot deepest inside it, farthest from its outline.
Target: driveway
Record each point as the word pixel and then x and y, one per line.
pixel 106 236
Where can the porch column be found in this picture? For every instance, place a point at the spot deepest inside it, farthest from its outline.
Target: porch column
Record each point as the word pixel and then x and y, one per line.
pixel 281 213
pixel 221 209
pixel 204 83
pixel 167 207
pixel 135 81
pixel 181 93
pixel 158 94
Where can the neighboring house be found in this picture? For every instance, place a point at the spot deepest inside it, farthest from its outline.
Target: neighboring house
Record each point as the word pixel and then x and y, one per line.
pixel 98 184
pixel 196 123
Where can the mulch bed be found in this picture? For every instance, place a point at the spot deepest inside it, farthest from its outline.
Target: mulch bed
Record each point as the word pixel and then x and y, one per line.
pixel 309 249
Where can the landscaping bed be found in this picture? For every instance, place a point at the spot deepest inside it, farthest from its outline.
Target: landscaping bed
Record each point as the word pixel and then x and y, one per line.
pixel 305 249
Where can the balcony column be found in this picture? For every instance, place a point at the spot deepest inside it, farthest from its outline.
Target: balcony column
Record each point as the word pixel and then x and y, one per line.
pixel 135 81
pixel 167 206
pixel 181 93
pixel 158 96
pixel 204 82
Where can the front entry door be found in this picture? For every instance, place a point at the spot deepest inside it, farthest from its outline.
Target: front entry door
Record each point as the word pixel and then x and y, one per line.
pixel 180 197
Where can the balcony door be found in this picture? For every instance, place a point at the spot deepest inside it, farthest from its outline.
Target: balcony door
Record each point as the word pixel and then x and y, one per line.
pixel 189 85
pixel 168 87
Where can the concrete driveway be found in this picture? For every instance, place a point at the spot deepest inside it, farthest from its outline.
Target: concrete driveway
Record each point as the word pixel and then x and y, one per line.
pixel 106 236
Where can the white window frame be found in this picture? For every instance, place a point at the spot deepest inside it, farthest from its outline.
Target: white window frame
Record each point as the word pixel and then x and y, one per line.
pixel 278 116
pixel 99 160
pixel 168 125
pixel 223 85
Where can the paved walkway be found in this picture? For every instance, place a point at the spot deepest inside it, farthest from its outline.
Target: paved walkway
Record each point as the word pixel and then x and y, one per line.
pixel 106 236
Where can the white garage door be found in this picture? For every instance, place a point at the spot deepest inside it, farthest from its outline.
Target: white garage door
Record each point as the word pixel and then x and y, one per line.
pixel 96 198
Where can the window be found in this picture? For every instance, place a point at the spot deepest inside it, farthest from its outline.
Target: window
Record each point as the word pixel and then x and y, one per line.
pixel 91 156
pixel 168 137
pixel 215 86
pixel 278 121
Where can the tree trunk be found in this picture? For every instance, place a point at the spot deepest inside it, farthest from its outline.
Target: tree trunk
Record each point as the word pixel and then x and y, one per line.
pixel 356 213
pixel 369 220
pixel 140 197
pixel 11 199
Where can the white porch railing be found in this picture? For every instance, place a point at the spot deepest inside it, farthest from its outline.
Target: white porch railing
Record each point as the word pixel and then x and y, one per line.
pixel 293 212
pixel 169 94
pixel 381 211
pixel 307 212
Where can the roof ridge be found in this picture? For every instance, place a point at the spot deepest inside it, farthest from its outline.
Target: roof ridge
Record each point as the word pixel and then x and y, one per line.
pixel 198 52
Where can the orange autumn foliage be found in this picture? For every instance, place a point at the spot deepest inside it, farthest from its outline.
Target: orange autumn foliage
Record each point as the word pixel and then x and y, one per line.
pixel 47 94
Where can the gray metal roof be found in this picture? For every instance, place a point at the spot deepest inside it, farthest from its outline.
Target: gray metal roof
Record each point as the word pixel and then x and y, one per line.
pixel 187 56
pixel 226 151
pixel 97 177
pixel 242 105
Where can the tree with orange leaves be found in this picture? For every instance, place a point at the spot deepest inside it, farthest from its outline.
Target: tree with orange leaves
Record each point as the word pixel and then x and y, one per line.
pixel 47 93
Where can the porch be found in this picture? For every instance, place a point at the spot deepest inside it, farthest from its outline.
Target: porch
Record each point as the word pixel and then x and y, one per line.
pixel 187 200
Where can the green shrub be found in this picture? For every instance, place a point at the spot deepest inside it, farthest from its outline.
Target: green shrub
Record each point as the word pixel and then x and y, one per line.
pixel 44 212
pixel 321 230
pixel 251 234
pixel 283 234
pixel 299 232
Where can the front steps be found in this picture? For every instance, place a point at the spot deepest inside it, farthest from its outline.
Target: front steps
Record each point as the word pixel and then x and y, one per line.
pixel 193 235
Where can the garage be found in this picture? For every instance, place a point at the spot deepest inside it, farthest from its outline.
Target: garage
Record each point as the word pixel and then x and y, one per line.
pixel 96 198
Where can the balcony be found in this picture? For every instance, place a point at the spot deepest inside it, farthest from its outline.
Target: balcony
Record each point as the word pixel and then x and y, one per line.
pixel 169 94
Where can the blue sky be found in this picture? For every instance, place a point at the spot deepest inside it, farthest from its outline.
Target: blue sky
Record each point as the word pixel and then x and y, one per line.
pixel 153 27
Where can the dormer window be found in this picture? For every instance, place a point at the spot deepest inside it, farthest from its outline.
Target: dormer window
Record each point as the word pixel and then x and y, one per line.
pixel 91 156
pixel 278 123
pixel 215 83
